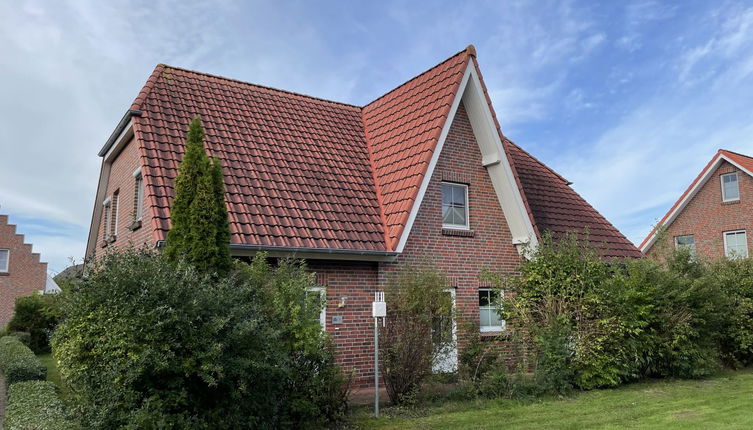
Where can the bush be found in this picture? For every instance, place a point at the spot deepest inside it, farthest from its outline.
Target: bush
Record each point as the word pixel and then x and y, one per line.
pixel 145 343
pixel 38 315
pixel 420 315
pixel 23 336
pixel 18 363
pixel 35 405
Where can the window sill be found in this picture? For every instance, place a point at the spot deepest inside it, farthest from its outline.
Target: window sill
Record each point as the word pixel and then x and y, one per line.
pixel 731 202
pixel 457 232
pixel 488 335
pixel 135 225
pixel 4 273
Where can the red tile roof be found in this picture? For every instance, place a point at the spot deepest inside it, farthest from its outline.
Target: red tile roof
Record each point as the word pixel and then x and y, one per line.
pixel 559 209
pixel 743 161
pixel 310 173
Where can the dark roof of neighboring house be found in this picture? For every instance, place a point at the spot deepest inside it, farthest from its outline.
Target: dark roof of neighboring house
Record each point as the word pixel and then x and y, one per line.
pixel 305 172
pixel 743 161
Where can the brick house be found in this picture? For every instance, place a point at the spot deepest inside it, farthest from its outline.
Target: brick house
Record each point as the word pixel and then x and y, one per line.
pixel 714 216
pixel 421 173
pixel 21 271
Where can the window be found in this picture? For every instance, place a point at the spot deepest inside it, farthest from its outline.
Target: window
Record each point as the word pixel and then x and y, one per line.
pixel 730 189
pixel 4 260
pixel 454 205
pixel 735 244
pixel 686 241
pixel 487 305
pixel 319 296
pixel 138 195
pixel 107 218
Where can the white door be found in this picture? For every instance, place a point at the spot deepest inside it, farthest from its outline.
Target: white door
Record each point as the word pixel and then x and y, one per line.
pixel 444 338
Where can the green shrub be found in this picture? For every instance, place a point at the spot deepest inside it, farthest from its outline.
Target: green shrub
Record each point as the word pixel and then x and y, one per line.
pixel 145 344
pixel 38 315
pixel 23 336
pixel 18 363
pixel 420 317
pixel 35 405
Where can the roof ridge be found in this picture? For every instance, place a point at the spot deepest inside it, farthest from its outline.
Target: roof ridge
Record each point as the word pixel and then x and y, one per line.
pixel 736 153
pixel 538 161
pixel 470 50
pixel 266 87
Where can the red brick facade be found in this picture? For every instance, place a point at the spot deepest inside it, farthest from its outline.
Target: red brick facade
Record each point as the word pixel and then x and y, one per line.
pixel 26 274
pixel 707 217
pixel 121 193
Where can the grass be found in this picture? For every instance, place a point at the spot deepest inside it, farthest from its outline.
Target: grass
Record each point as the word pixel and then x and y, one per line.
pixel 53 375
pixel 723 401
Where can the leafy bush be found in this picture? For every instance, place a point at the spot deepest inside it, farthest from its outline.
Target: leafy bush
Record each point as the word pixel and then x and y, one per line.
pixel 35 405
pixel 38 315
pixel 18 363
pixel 149 344
pixel 420 315
pixel 23 336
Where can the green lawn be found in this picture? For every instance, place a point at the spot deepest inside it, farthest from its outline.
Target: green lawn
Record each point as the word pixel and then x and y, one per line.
pixel 53 375
pixel 725 401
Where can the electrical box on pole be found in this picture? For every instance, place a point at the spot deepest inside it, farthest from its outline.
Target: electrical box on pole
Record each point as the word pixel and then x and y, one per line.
pixel 378 310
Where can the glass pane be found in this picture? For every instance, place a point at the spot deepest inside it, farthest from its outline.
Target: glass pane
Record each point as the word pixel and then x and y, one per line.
pixel 730 188
pixel 446 194
pixel 494 319
pixel 460 216
pixel 458 195
pixel 4 259
pixel 483 298
pixel 446 217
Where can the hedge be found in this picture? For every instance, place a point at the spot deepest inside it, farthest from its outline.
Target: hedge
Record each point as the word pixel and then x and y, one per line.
pixel 18 363
pixel 35 405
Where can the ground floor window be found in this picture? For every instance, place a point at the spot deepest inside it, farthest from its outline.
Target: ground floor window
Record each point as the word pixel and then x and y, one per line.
pixel 735 244
pixel 686 241
pixel 487 306
pixel 4 260
pixel 319 295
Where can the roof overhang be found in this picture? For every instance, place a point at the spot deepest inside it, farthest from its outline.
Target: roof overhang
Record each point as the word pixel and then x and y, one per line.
pixel 117 134
pixel 688 195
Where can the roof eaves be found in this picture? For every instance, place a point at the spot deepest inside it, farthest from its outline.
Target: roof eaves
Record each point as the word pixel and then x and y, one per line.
pixel 118 130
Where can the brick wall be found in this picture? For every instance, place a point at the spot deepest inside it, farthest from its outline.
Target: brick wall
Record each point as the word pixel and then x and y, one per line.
pixel 707 217
pixel 121 190
pixel 26 274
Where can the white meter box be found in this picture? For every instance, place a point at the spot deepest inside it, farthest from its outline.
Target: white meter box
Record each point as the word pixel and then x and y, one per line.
pixel 378 309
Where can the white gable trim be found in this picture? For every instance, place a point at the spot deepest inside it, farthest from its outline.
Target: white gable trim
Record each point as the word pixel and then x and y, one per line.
pixel 691 193
pixel 494 159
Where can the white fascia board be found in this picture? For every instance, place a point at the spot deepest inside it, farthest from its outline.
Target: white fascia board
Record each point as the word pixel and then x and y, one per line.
pixel 494 159
pixel 434 160
pixel 693 191
pixel 120 142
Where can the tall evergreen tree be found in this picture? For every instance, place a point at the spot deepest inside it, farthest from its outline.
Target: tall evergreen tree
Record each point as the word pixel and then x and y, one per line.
pixel 200 232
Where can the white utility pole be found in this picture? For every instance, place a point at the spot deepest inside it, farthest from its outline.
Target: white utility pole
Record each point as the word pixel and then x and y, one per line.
pixel 378 310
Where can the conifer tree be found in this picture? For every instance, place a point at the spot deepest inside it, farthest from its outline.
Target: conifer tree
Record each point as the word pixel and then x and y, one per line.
pixel 200 232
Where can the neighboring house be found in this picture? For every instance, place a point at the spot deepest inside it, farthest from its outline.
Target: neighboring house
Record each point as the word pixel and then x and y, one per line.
pixel 423 173
pixel 714 216
pixel 21 272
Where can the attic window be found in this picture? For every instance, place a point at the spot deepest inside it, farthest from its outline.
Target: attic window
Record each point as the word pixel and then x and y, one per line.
pixel 730 188
pixel 4 260
pixel 686 241
pixel 138 195
pixel 455 206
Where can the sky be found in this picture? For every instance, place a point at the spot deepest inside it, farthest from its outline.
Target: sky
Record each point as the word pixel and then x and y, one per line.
pixel 628 100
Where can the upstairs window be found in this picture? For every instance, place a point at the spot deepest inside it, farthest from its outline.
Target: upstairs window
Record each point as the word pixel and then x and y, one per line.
pixel 735 244
pixel 107 218
pixel 454 205
pixel 4 260
pixel 686 241
pixel 487 308
pixel 138 195
pixel 318 297
pixel 730 187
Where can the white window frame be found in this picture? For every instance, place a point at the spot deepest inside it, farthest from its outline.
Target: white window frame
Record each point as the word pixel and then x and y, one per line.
pixel 735 233
pixel 467 225
pixel 737 182
pixel 678 245
pixel 7 261
pixel 323 313
pixel 139 190
pixel 490 328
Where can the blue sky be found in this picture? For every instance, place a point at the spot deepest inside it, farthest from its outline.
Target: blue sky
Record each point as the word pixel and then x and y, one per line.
pixel 628 100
